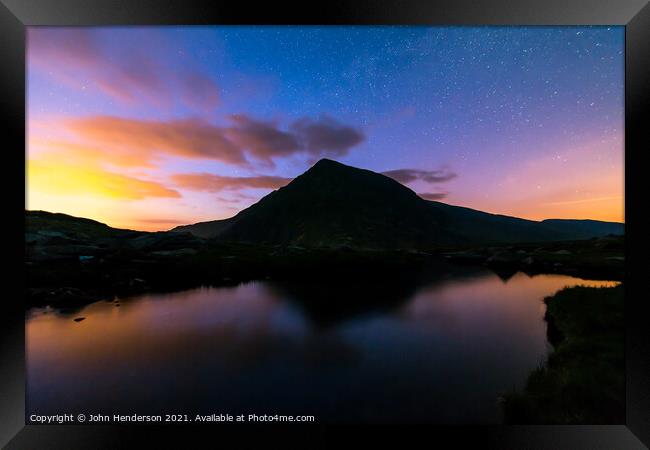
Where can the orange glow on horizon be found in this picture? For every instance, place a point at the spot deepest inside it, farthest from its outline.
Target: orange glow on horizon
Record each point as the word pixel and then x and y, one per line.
pixel 65 177
pixel 148 129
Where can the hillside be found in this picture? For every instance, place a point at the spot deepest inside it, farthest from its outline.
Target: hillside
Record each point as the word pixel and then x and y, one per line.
pixel 335 205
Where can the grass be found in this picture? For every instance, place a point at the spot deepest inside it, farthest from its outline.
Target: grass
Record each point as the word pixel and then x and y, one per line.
pixel 583 379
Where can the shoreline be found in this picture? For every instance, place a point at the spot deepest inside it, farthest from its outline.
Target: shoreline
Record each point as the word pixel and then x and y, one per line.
pixel 582 380
pixel 73 282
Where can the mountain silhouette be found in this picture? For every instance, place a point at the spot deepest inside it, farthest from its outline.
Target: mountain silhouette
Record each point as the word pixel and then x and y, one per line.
pixel 335 205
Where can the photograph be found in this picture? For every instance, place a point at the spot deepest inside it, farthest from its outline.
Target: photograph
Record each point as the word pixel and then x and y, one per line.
pixel 333 224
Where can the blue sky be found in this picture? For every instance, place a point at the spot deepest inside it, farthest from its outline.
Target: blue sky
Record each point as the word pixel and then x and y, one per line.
pixel 525 121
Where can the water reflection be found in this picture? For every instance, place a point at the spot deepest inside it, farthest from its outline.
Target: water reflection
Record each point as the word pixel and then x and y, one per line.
pixel 327 303
pixel 434 346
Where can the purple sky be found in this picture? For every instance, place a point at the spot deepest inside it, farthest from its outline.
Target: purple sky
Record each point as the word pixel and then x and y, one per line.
pixel 149 127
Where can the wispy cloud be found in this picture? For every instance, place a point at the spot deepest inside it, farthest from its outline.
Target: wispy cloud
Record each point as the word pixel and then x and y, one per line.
pixel 156 221
pixel 434 196
pixel 585 200
pixel 428 176
pixel 189 138
pixel 217 183
pixel 136 141
pixel 262 139
pixel 326 136
pixel 84 58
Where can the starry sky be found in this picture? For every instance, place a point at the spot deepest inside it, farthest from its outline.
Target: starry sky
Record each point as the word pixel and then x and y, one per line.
pixel 151 127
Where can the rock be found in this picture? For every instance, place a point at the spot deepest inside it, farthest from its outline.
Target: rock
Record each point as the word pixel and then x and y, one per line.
pixel 49 233
pixel 563 252
pixel 528 261
pixel 502 257
pixel 178 252
pixel 60 296
pixel 417 252
pixel 467 257
pixel 33 238
pixel 164 241
pixel 64 251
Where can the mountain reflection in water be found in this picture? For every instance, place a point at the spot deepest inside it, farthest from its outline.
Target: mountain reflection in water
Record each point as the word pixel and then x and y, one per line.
pixel 431 347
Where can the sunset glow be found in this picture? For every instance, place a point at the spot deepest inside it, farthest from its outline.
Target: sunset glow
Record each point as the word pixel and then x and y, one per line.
pixel 151 127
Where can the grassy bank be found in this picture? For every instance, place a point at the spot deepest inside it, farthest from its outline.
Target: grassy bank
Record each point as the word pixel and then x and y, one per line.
pixel 583 380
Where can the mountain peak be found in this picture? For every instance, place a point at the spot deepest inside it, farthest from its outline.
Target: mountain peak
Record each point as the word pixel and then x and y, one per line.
pixel 333 204
pixel 327 163
pixel 335 172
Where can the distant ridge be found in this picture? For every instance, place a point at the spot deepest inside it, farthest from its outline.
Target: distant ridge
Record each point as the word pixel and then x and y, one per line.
pixel 335 205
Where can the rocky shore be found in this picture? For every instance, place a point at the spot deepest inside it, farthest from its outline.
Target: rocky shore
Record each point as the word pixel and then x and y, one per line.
pixel 598 258
pixel 73 261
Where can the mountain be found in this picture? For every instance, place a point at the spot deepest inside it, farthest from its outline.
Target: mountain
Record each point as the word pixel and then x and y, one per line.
pixel 335 205
pixel 44 224
pixel 55 236
pixel 585 228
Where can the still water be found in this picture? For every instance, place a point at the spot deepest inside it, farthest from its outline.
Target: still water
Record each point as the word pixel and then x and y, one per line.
pixel 437 349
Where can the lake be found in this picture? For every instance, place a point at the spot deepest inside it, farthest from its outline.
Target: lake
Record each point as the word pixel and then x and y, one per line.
pixel 437 348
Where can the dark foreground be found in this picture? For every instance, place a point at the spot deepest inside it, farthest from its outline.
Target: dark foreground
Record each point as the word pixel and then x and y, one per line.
pixel 72 261
pixel 583 380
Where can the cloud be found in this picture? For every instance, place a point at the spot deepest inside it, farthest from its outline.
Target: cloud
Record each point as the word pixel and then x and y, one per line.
pixel 129 142
pixel 228 200
pixel 586 200
pixel 76 47
pixel 263 139
pixel 428 176
pixel 326 136
pixel 217 183
pixel 85 58
pixel 434 196
pixel 236 197
pixel 162 221
pixel 92 154
pixel 199 91
pixel 189 138
pixel 318 137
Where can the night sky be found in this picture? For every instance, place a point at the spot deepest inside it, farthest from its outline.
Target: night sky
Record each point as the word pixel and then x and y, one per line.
pixel 151 127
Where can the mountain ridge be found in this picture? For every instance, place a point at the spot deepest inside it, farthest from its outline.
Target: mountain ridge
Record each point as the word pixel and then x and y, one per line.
pixel 333 205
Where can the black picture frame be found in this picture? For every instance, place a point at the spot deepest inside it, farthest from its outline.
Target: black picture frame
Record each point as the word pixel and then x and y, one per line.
pixel 16 15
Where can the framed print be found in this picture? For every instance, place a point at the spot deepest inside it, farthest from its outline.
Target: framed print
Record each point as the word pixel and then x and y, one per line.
pixel 394 220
